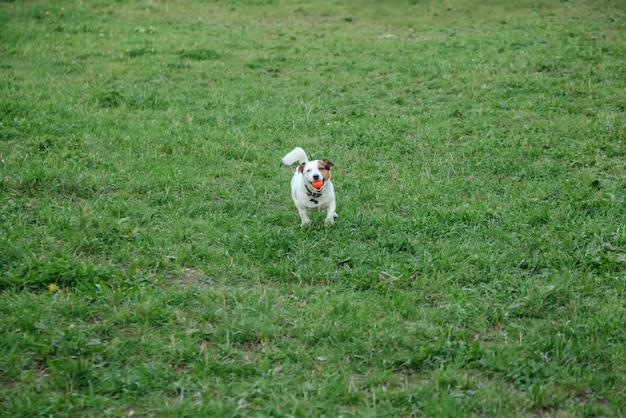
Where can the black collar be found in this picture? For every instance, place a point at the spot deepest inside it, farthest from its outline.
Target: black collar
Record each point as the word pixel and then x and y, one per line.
pixel 314 195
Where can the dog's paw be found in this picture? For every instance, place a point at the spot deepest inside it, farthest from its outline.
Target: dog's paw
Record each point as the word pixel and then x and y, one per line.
pixel 329 221
pixel 305 222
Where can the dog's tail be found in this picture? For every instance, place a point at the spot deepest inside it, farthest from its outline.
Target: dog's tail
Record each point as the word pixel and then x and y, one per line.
pixel 296 154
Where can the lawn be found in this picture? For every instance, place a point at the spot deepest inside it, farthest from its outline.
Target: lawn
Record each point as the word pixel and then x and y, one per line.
pixel 152 262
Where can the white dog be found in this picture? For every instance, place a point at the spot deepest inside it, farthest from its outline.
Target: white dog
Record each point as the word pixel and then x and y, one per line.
pixel 311 188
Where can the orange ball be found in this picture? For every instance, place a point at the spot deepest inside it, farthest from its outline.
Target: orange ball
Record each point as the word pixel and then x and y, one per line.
pixel 317 184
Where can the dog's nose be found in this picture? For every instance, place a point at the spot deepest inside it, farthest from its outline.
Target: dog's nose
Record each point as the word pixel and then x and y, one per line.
pixel 316 176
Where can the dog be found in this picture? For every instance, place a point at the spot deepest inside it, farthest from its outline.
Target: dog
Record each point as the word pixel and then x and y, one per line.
pixel 306 196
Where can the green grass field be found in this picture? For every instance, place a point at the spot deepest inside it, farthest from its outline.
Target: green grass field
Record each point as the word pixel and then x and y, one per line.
pixel 152 262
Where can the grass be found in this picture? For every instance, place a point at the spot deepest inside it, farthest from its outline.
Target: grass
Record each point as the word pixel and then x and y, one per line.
pixel 151 259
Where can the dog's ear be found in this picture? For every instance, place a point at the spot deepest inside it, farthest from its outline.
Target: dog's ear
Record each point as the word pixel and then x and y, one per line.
pixel 328 164
pixel 301 167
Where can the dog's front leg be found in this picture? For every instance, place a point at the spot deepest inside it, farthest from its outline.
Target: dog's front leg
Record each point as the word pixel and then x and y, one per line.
pixel 304 215
pixel 330 214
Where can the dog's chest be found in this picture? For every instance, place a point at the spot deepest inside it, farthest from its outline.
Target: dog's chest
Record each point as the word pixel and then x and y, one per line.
pixel 313 200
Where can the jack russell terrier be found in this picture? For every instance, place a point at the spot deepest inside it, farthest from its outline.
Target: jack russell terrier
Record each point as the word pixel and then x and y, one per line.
pixel 311 188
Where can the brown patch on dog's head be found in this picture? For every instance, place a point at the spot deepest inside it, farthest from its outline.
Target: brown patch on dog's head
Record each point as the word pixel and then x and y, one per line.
pixel 328 164
pixel 324 166
pixel 301 167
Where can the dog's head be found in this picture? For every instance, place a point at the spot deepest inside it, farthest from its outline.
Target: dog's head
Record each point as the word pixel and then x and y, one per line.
pixel 316 170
